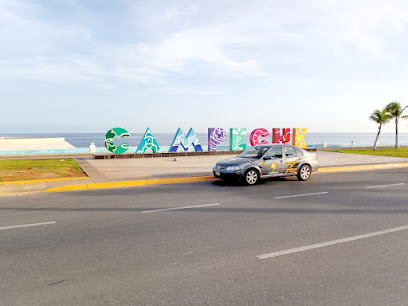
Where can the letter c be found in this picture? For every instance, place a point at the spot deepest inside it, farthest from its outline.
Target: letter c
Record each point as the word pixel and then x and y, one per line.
pixel 256 134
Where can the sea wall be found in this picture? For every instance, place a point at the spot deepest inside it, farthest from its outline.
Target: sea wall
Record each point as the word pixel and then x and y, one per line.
pixel 28 144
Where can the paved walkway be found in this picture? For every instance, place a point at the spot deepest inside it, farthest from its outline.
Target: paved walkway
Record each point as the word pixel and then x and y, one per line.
pixel 104 170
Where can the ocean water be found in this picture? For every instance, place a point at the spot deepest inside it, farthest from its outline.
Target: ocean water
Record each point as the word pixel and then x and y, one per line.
pixel 82 140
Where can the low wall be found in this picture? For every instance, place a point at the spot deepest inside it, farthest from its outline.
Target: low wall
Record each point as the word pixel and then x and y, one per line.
pixel 168 154
pixel 28 144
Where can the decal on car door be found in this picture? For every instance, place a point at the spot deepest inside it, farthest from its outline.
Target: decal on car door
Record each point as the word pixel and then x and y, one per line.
pixel 292 166
pixel 273 167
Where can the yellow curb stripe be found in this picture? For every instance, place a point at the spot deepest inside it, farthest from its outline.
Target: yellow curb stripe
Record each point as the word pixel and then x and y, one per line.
pixel 361 168
pixel 122 184
pixel 116 184
pixel 46 180
pixel 67 188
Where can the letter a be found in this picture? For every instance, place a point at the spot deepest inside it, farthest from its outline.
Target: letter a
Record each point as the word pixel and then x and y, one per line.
pixel 148 143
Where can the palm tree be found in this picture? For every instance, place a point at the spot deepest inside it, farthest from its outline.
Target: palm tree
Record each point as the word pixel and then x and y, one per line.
pixel 380 117
pixel 395 110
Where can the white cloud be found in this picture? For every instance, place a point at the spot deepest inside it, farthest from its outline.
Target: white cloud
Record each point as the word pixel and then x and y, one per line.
pixel 368 24
pixel 229 38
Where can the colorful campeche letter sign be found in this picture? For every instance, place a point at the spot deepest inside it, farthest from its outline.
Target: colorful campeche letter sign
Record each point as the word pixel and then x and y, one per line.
pixel 109 140
pixel 185 141
pixel 148 143
pixel 298 136
pixel 277 137
pixel 216 136
pixel 237 139
pixel 253 139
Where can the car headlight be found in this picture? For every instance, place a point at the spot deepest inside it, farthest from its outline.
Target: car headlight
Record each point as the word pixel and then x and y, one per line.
pixel 233 168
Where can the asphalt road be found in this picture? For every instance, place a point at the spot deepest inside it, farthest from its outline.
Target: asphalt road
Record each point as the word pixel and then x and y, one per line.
pixel 337 239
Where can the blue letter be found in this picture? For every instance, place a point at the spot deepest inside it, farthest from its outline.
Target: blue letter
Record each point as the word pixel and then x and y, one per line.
pixel 185 142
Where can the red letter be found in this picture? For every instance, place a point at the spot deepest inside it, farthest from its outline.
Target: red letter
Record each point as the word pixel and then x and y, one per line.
pixel 276 135
pixel 278 138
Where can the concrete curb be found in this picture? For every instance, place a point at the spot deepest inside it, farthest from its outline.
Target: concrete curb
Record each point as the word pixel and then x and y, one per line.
pixel 33 187
pixel 23 187
pixel 45 180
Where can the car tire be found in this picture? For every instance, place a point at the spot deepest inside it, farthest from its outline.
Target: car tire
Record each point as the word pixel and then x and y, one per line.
pixel 251 176
pixel 304 173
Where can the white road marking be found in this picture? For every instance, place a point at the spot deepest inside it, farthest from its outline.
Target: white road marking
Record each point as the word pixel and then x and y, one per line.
pixel 26 225
pixel 300 195
pixel 179 208
pixel 383 186
pixel 329 243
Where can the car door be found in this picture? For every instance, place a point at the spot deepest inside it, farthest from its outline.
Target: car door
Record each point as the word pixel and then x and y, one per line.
pixel 272 163
pixel 292 159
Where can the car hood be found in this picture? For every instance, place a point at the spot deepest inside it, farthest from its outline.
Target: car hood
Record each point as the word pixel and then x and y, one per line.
pixel 234 161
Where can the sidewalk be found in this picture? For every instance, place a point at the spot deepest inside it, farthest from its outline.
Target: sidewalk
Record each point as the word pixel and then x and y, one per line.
pixel 110 173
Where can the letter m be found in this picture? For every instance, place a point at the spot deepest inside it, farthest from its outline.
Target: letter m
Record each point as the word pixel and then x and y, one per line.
pixel 186 142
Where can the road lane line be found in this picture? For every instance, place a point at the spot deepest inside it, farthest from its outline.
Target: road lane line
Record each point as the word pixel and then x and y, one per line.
pixel 179 208
pixel 383 186
pixel 300 195
pixel 26 225
pixel 329 243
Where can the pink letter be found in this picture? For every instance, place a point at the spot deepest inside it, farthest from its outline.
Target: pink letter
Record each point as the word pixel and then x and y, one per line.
pixel 253 139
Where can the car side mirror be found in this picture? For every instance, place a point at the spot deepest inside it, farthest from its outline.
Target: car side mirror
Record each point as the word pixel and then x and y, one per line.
pixel 267 157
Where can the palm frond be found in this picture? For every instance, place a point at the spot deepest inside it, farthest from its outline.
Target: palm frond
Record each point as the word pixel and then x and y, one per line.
pixel 380 116
pixel 395 109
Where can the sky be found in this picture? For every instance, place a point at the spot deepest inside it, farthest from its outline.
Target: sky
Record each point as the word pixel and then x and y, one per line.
pixel 87 66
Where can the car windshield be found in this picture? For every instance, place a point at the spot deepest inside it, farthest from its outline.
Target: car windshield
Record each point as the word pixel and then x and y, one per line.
pixel 254 152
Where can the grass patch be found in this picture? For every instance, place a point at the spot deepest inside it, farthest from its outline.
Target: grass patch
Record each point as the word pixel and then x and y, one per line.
pixel 401 152
pixel 32 169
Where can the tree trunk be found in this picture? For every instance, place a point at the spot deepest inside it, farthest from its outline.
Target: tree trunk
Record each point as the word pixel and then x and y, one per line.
pixel 376 138
pixel 396 134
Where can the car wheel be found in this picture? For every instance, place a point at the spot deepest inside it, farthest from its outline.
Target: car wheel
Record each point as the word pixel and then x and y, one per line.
pixel 304 173
pixel 251 176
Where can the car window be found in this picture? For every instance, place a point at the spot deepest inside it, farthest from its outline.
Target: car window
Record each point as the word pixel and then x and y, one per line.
pixel 289 152
pixel 298 152
pixel 274 152
pixel 254 152
pixel 262 151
